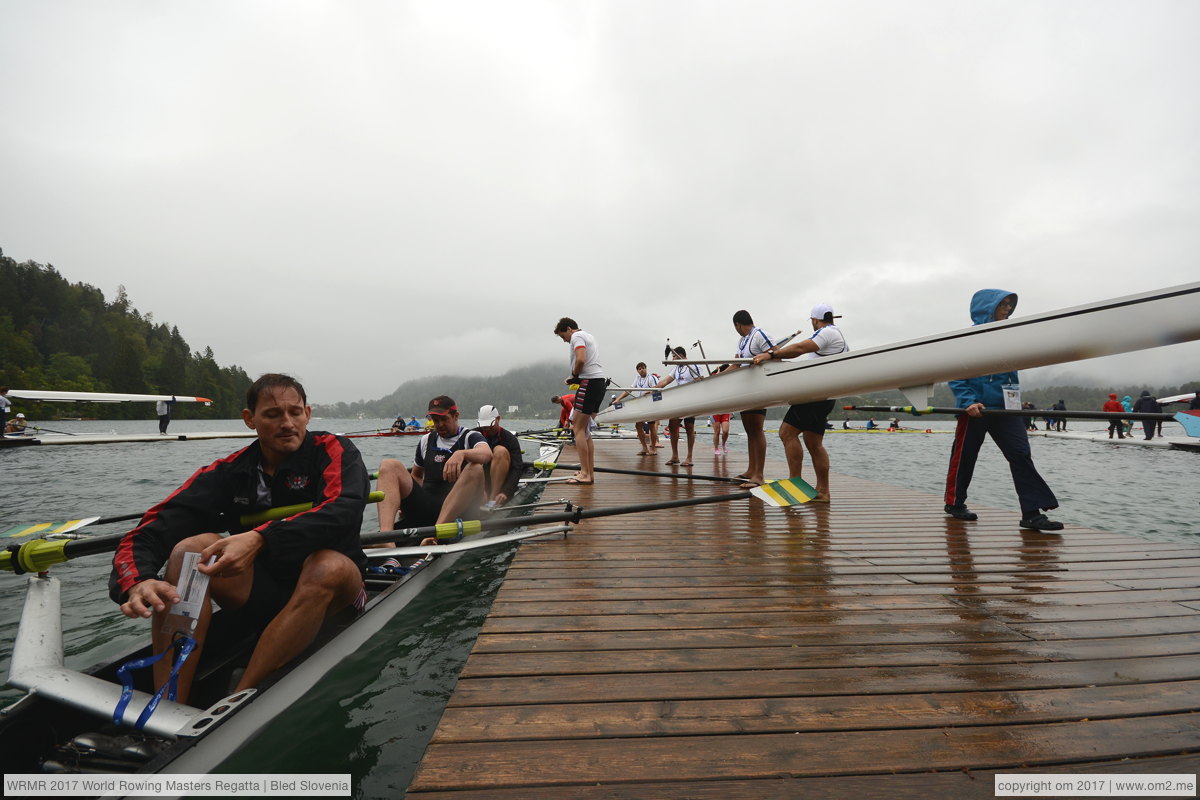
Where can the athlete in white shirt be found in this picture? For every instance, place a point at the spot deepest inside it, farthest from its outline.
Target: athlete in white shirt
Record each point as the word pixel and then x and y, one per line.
pixel 809 419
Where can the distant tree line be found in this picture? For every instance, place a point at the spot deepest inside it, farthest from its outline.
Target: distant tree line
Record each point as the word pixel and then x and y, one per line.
pixel 62 336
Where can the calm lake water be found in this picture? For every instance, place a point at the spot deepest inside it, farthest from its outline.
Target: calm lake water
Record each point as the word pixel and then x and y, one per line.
pixel 375 712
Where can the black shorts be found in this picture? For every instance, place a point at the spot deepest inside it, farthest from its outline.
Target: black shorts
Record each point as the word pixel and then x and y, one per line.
pixel 809 417
pixel 421 507
pixel 590 396
pixel 762 411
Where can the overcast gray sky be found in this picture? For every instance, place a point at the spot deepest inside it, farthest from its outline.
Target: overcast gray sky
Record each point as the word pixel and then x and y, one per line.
pixel 364 192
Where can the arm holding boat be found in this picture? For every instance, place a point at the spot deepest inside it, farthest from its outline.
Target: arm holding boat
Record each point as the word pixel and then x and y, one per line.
pixel 793 348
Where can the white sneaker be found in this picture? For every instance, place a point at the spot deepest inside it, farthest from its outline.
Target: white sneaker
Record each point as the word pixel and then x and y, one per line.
pixel 716 451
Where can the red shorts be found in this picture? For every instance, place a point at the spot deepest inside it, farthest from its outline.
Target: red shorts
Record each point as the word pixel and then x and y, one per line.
pixel 719 418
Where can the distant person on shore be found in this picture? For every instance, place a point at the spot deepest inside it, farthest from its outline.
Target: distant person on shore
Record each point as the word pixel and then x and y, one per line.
pixel 588 374
pixel 1030 422
pixel 1148 404
pixel 283 577
pixel 567 410
pixel 503 473
pixel 754 341
pixel 809 420
pixel 720 426
pixel 1127 407
pixel 446 481
pixel 1115 425
pixel 973 395
pixel 647 432
pixel 1060 423
pixel 682 375
pixel 163 409
pixel 16 425
pixel 5 405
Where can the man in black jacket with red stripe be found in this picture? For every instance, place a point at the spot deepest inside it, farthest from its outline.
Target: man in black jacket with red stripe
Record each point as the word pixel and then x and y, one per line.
pixel 284 576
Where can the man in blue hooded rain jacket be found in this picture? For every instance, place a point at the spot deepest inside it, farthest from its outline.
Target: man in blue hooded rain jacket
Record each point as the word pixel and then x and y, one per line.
pixel 973 395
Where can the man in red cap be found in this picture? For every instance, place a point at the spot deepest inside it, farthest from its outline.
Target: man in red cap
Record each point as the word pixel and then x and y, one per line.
pixel 446 481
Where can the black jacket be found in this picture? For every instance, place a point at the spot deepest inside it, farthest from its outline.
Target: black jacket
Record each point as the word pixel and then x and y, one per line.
pixel 326 471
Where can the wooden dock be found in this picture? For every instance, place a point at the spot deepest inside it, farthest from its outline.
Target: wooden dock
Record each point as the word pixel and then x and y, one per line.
pixel 870 648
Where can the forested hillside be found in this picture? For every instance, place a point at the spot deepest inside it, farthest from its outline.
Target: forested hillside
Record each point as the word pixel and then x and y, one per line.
pixel 62 336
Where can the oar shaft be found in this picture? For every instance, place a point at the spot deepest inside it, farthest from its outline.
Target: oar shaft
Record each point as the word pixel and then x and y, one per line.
pixel 1017 412
pixel 39 554
pixel 647 473
pixel 451 530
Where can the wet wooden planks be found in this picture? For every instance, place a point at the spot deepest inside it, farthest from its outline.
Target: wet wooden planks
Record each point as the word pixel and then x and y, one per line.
pixel 874 647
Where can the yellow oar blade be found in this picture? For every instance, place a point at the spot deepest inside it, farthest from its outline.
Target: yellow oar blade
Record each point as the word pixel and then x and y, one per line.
pixel 789 492
pixel 46 528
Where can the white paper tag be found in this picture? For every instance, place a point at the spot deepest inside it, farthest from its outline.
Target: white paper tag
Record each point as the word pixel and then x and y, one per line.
pixel 1012 396
pixel 193 585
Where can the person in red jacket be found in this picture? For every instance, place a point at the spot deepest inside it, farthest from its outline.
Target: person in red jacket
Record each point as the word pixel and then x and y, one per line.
pixel 282 577
pixel 1114 424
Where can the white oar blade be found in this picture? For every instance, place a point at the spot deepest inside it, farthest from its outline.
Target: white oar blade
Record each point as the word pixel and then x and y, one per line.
pixel 458 547
pixel 789 492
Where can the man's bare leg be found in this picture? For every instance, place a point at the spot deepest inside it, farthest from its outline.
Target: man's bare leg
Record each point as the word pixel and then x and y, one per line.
pixel 792 448
pixel 467 491
pixel 583 446
pixel 329 581
pixel 643 438
pixel 690 427
pixel 161 636
pixel 396 483
pixel 673 435
pixel 815 443
pixel 756 445
pixel 501 461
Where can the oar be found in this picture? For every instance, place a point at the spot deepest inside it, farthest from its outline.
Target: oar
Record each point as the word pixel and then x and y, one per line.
pixel 40 554
pixel 781 493
pixel 60 529
pixel 543 430
pixel 649 474
pixel 1018 412
pixel 51 430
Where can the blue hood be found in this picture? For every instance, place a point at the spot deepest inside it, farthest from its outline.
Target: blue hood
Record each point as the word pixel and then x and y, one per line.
pixel 984 303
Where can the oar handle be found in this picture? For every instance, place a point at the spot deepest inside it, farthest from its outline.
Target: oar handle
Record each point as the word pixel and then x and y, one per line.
pixel 38 555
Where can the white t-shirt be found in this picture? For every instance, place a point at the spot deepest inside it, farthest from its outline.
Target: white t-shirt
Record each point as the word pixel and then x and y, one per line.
pixel 647 382
pixel 591 358
pixel 755 342
pixel 685 374
pixel 829 341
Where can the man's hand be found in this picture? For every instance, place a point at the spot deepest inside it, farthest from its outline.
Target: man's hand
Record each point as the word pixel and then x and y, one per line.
pixel 454 466
pixel 149 596
pixel 235 555
pixel 975 410
pixel 500 498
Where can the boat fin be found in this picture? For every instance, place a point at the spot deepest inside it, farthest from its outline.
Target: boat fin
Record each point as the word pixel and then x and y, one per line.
pixel 1190 423
pixel 918 396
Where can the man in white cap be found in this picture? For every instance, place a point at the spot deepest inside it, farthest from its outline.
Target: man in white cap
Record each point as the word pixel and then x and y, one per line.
pixel 502 474
pixel 809 419
pixel 17 425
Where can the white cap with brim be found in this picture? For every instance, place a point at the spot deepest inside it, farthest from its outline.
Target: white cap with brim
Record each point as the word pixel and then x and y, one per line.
pixel 820 310
pixel 488 415
pixel 20 416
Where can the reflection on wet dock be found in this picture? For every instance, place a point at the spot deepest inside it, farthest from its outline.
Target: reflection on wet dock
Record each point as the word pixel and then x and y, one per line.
pixel 871 648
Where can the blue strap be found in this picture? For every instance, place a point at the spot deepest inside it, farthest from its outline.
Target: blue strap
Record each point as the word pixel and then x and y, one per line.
pixel 184 644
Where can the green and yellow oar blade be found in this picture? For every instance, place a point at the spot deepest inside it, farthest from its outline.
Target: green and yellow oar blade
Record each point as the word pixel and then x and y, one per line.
pixel 46 528
pixel 788 492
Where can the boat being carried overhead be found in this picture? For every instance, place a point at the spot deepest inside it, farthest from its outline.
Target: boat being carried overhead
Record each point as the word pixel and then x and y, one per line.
pixel 1121 325
pixel 71 721
pixel 102 397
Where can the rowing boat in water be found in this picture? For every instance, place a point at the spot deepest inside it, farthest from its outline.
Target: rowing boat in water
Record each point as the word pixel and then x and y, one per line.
pixel 60 724
pixel 1136 322
pixel 11 440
